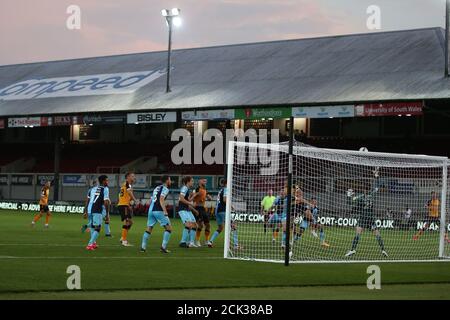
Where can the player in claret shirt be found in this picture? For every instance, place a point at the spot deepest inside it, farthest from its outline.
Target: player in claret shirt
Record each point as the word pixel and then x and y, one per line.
pixel 43 205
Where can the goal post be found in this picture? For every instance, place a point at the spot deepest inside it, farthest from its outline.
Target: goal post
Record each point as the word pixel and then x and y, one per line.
pixel 444 225
pixel 347 206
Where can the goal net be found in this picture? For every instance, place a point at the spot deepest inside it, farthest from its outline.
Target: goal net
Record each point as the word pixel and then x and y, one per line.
pixel 346 206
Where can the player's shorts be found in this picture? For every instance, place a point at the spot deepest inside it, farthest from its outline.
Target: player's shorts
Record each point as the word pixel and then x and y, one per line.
pixel 220 218
pixel 367 222
pixel 203 216
pixel 97 219
pixel 44 208
pixel 89 219
pixel 186 216
pixel 125 213
pixel 304 225
pixel 157 216
pixel 435 220
pixel 275 218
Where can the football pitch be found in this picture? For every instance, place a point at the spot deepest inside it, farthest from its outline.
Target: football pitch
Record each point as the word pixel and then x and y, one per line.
pixel 33 264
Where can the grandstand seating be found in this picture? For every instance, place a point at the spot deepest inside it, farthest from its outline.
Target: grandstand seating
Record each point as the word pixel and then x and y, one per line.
pixel 87 158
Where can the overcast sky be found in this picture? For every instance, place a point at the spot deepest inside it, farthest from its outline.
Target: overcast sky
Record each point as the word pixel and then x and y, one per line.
pixel 35 30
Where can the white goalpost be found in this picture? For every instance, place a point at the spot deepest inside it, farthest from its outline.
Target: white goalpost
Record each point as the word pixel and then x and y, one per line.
pixel 346 206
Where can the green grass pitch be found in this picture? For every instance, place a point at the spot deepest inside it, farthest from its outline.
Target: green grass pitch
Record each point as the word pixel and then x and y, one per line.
pixel 33 264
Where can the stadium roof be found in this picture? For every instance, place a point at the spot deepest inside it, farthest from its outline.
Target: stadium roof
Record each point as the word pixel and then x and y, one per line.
pixel 385 66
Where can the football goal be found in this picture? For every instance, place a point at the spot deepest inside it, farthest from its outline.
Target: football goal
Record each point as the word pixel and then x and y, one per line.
pixel 345 206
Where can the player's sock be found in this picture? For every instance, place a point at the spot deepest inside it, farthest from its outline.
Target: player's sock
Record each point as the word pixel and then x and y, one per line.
pixel 145 238
pixel 207 235
pixel 94 236
pixel 214 236
pixel 124 232
pixel 185 236
pixel 107 229
pixel 37 217
pixel 198 234
pixel 47 218
pixel 235 238
pixel 322 236
pixel 380 242
pixel 275 233
pixel 192 235
pixel 283 240
pixel 355 242
pixel 166 238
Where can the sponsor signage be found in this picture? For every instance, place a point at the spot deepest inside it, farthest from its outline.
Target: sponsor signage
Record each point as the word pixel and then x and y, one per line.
pixel 3 179
pixel 100 119
pixel 208 115
pixel 256 114
pixel 23 180
pixel 29 122
pixel 390 109
pixel 42 179
pixel 34 207
pixel 2 123
pixel 87 85
pixel 65 120
pixel 338 221
pixel 324 112
pixel 74 180
pixel 152 117
pixel 92 179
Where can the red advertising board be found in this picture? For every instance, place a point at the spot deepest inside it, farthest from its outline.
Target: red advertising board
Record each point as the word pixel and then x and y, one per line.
pixel 2 124
pixel 389 109
pixel 29 122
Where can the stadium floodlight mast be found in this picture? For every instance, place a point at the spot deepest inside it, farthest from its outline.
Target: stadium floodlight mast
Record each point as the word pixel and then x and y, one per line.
pixel 172 17
pixel 447 40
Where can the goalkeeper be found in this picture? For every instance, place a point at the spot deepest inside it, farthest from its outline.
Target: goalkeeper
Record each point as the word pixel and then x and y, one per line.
pixel 363 209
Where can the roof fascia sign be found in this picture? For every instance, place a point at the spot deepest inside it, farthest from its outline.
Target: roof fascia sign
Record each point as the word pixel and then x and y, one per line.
pixel 263 113
pixel 89 85
pixel 347 111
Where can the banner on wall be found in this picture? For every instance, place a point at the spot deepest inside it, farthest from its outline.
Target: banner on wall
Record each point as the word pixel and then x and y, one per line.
pixel 3 179
pixel 101 119
pixel 74 180
pixel 42 179
pixel 34 207
pixel 29 122
pixel 65 120
pixel 208 115
pixel 151 117
pixel 92 179
pixel 22 180
pixel 257 114
pixel 390 109
pixel 347 111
